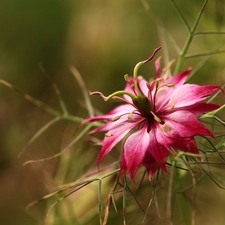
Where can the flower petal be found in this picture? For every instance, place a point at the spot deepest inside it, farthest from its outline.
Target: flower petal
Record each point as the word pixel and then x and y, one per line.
pixel 157 150
pixel 129 89
pixel 120 110
pixel 183 124
pixel 117 134
pixel 190 94
pixel 142 84
pixel 150 164
pixel 179 79
pixel 200 107
pixel 183 144
pixel 135 148
pixel 164 93
pixel 123 166
pixel 111 125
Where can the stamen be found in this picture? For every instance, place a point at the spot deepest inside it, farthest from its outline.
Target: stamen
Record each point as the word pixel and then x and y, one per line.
pixel 156 118
pixel 156 84
pixel 170 85
pixel 172 107
pixel 159 79
pixel 139 78
pixel 108 135
pixel 126 78
pixel 158 87
pixel 115 118
pixel 155 81
pixel 148 86
pixel 167 68
pixel 166 85
pixel 132 86
pixel 130 116
pixel 149 90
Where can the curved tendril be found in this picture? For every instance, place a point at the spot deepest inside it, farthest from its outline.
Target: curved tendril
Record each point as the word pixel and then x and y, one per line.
pixel 113 95
pixel 122 92
pixel 138 65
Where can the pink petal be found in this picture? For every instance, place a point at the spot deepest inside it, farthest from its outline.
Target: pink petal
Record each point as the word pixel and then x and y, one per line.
pixel 117 134
pixel 186 145
pixel 120 110
pixel 108 144
pixel 123 166
pixel 183 124
pixel 150 164
pixel 183 144
pixel 200 107
pixel 111 125
pixel 190 94
pixel 142 84
pixel 179 79
pixel 129 89
pixel 157 67
pixel 162 98
pixel 157 150
pixel 164 94
pixel 135 147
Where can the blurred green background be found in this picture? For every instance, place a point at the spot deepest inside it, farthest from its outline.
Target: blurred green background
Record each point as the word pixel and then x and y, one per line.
pixel 103 40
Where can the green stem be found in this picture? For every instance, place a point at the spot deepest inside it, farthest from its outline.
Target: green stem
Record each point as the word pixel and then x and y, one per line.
pixel 204 54
pixel 212 114
pixel 209 32
pixel 57 91
pixel 42 105
pixel 100 200
pixel 31 99
pixel 181 199
pixel 72 118
pixel 181 15
pixel 80 135
pixel 189 40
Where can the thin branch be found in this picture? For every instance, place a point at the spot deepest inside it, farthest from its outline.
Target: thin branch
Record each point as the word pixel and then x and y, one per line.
pixel 161 31
pixel 58 93
pixel 31 99
pixel 181 16
pixel 80 81
pixel 169 198
pixel 209 32
pixel 204 54
pixel 189 40
pixel 38 133
pixel 100 200
pixel 80 135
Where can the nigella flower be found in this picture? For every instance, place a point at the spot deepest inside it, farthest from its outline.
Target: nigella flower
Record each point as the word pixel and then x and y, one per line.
pixel 157 117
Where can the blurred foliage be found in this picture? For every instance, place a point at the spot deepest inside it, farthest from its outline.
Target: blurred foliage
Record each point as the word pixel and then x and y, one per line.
pixel 103 40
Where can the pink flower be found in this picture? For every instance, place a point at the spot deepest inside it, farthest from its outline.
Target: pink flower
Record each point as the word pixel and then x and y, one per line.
pixel 157 117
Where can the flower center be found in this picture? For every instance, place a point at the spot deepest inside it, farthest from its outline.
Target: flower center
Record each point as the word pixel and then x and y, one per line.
pixel 144 106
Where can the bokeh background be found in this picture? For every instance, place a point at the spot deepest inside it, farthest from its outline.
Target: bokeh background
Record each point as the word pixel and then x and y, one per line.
pixel 103 40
